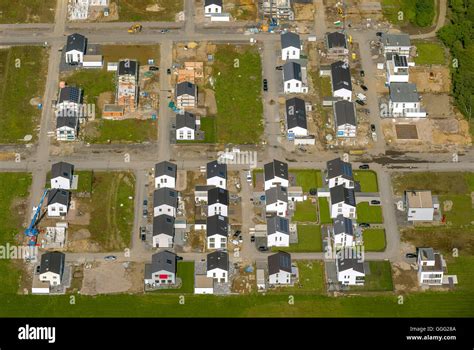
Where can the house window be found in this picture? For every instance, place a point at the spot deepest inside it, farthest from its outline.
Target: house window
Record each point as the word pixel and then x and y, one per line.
pixel 288 85
pixel 189 134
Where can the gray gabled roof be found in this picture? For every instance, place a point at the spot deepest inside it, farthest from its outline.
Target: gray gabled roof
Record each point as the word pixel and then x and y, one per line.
pixel 279 261
pixel 290 39
pixel 76 42
pixel 161 261
pixel 278 224
pixel 217 225
pixel 343 225
pixel 185 88
pixel 163 224
pixel 344 113
pixel 187 120
pixel 296 113
pixel 127 67
pixel 213 2
pixel 345 263
pixel 403 92
pixel 218 260
pixel 337 167
pixel 336 39
pixel 59 196
pixel 71 122
pixel 276 168
pixel 395 39
pixel 215 168
pixel 340 76
pixel 166 196
pixel 341 194
pixel 71 94
pixel 52 262
pixel 217 195
pixel 274 194
pixel 62 169
pixel 165 168
pixel 291 70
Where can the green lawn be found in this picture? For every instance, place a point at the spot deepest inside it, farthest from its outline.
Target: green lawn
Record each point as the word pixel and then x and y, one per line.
pixel 208 125
pixel 27 11
pixel 135 10
pixel 429 53
pixel 309 240
pixel 437 182
pixel 379 279
pixel 462 211
pixel 122 131
pixel 305 212
pixel 185 270
pixel 367 179
pixel 85 180
pixel 369 213
pixel 374 240
pixel 311 278
pixel 13 186
pixel 390 9
pixel 238 83
pixel 17 87
pixel 324 213
pixel 307 178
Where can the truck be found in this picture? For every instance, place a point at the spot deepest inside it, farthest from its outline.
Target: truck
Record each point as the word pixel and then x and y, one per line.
pixel 361 97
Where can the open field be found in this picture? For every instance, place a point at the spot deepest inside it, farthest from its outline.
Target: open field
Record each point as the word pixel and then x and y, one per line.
pixel 244 10
pixel 27 11
pixel 239 110
pixel 18 86
pixel 374 240
pixel 307 178
pixel 379 279
pixel 160 10
pixel 439 183
pixel 369 213
pixel 305 212
pixel 185 270
pixel 122 131
pixel 367 179
pixel 429 53
pixel 14 188
pixel 309 240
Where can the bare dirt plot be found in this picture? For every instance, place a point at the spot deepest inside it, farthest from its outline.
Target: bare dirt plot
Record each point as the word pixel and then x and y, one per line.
pixel 304 12
pixel 242 10
pixel 407 132
pixel 431 79
pixel 113 53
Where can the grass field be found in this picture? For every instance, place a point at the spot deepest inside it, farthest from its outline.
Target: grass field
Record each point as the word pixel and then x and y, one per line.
pixel 311 278
pixel 85 181
pixel 239 110
pixel 17 87
pixel 307 178
pixel 185 270
pixel 27 11
pixel 379 279
pixel 369 213
pixel 305 212
pixel 309 240
pixel 14 186
pixel 141 53
pixel 367 179
pixel 439 183
pixel 391 8
pixel 374 240
pixel 123 131
pixel 324 213
pixel 135 10
pixel 429 53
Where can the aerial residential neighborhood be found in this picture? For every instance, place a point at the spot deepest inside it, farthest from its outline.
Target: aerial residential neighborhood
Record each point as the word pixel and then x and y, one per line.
pixel 237 158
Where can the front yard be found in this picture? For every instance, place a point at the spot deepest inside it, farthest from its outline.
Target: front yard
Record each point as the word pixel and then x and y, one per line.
pixel 369 213
pixel 367 180
pixel 374 240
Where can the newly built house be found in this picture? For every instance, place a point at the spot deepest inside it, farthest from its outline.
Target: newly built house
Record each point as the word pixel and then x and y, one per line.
pixel 345 119
pixel 69 102
pixel 420 206
pixel 278 232
pixel 186 126
pixel 165 201
pixel 67 128
pixel 296 123
pixel 342 202
pixel 58 202
pixel 350 270
pixel 290 46
pixel 75 50
pixel 217 201
pixel 52 268
pixel 341 80
pixel 163 231
pixel 217 231
pixel 275 173
pixel 162 270
pixel 165 175
pixel 62 175
pixel 216 174
pixel 431 267
pixel 343 232
pixel 404 101
pixel 397 68
pixel 396 43
pixel 339 173
pixel 186 95
pixel 294 79
pixel 276 200
pixel 279 269
pixel 212 7
pixel 218 266
pixel 336 44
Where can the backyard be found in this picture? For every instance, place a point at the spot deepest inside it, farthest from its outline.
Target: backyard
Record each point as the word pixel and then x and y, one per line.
pixel 429 53
pixel 311 278
pixel 149 10
pixel 307 178
pixel 374 240
pixel 367 180
pixel 27 11
pixel 309 240
pixel 305 212
pixel 324 213
pixel 379 279
pixel 369 213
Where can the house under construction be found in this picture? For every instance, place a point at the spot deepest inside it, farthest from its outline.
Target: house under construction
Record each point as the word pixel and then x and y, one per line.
pixel 127 85
pixel 279 9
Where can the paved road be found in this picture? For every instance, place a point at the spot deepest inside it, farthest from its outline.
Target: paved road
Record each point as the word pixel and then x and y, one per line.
pixel 439 23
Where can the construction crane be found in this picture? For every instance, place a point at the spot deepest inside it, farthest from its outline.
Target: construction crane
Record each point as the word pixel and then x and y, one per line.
pixel 32 232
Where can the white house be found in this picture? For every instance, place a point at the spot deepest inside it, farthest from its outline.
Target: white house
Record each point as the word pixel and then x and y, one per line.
pixel 212 7
pixel 343 232
pixel 342 202
pixel 345 119
pixel 275 173
pixel 165 175
pixel 350 270
pixel 279 269
pixel 52 268
pixel 217 230
pixel 296 123
pixel 216 174
pixel 67 128
pixel 397 68
pixel 162 270
pixel 165 201
pixel 186 95
pixel 62 174
pixel 420 205
pixel 290 46
pixel 341 80
pixel 186 126
pixel 396 43
pixel 404 101
pixel 218 266
pixel 431 267
pixel 339 173
pixel 69 102
pixel 58 202
pixel 217 201
pixel 278 232
pixel 336 44
pixel 276 200
pixel 294 78
pixel 75 48
pixel 163 231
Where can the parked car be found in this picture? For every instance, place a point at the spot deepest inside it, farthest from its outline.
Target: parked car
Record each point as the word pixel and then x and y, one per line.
pixel 364 224
pixel 237 233
pixel 378 34
pixel 362 73
pixel 411 256
pixel 372 127
pixel 375 202
pixel 143 233
pixel 163 31
pixel 168 71
pixel 110 258
pixel 38 268
pixel 361 97
pixel 359 102
pixel 265 85
pixel 262 248
pixel 178 258
pixel 145 213
pixel 248 176
pixel 363 87
pixel 145 203
pixel 364 166
pixel 154 68
pixel 252 238
pixel 279 67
